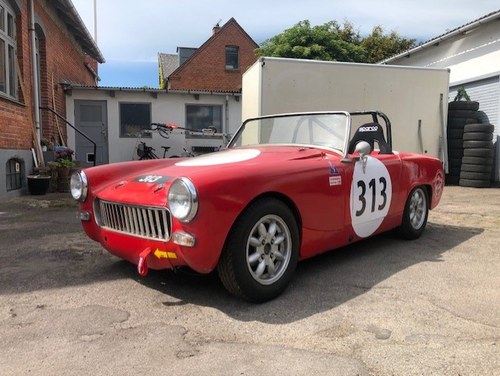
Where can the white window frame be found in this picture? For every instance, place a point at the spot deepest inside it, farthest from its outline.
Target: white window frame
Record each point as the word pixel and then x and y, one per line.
pixel 231 53
pixel 200 117
pixel 10 47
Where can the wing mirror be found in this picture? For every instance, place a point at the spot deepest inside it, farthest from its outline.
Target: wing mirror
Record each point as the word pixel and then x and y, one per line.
pixel 363 148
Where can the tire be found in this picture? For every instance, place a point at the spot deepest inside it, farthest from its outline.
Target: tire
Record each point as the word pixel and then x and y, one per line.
pixel 477 160
pixel 467 114
pixel 261 252
pixel 415 214
pixel 478 136
pixel 463 105
pixel 476 168
pixel 480 152
pixel 475 183
pixel 478 145
pixel 452 179
pixel 475 175
pixel 478 127
pixel 455 144
pixel 459 123
pixel 454 161
pixel 456 153
pixel 454 133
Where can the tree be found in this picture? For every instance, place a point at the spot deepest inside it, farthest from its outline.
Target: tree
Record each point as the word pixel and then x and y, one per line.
pixel 335 42
pixel 329 41
pixel 379 46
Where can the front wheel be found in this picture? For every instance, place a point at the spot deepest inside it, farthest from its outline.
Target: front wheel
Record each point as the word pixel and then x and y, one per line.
pixel 261 252
pixel 415 214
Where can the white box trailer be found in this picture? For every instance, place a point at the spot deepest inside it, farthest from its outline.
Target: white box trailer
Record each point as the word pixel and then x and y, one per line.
pixel 414 99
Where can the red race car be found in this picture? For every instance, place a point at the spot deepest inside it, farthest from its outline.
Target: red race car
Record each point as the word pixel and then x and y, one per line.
pixel 288 187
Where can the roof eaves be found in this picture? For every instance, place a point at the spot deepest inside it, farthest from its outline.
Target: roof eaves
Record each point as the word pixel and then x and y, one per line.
pixel 69 85
pixel 69 15
pixel 462 29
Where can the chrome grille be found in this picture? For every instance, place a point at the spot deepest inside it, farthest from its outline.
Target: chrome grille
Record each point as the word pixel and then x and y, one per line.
pixel 145 222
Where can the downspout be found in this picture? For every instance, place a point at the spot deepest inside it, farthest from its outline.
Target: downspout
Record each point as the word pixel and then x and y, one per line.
pixel 34 89
pixel 226 115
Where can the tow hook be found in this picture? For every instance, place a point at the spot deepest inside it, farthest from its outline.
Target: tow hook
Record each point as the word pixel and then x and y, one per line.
pixel 142 265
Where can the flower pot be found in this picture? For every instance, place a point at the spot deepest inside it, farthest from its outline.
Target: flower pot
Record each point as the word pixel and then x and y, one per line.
pixel 38 184
pixel 63 179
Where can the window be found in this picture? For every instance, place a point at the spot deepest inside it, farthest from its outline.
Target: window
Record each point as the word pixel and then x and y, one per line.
pixel 134 118
pixel 232 58
pixel 199 117
pixel 8 82
pixel 14 175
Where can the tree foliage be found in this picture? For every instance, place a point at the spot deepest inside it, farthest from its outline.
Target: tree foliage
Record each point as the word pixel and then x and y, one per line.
pixel 335 42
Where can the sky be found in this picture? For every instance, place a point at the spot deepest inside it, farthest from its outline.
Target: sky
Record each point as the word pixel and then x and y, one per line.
pixel 130 34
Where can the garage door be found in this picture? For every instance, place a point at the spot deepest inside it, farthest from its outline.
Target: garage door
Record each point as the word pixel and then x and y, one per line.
pixel 487 93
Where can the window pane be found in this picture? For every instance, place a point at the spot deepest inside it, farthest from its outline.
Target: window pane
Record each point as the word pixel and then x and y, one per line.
pixel 3 67
pixel 2 18
pixel 91 113
pixel 134 117
pixel 10 25
pixel 12 72
pixel 231 57
pixel 202 117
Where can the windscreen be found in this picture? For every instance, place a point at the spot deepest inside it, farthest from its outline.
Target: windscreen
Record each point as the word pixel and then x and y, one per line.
pixel 323 129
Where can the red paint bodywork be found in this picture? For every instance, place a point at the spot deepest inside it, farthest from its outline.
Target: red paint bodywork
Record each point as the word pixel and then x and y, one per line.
pixel 299 176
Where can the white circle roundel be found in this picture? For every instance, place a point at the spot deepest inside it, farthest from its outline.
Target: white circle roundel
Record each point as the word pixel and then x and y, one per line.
pixel 371 194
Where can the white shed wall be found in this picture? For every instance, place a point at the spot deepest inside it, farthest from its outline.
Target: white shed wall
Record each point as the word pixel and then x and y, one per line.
pixel 165 108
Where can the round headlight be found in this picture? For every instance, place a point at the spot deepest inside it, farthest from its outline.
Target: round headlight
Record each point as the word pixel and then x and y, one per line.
pixel 183 199
pixel 78 185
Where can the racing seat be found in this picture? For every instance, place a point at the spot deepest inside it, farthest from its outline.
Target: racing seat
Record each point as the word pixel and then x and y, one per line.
pixel 370 133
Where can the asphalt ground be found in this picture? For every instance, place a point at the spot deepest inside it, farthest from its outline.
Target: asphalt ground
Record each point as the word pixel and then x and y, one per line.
pixel 384 306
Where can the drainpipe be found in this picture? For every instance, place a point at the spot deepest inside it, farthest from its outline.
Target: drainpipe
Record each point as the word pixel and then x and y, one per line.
pixel 34 89
pixel 226 113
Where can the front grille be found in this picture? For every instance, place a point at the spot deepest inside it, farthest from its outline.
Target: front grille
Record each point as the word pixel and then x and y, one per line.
pixel 145 222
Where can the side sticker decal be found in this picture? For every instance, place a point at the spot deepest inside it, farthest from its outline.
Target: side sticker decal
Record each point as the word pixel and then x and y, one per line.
pixel 371 194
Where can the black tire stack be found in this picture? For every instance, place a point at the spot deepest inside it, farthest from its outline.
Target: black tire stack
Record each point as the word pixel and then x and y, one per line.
pixel 470 146
pixel 477 161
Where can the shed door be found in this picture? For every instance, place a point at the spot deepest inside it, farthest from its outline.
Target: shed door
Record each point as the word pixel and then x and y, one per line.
pixel 91 118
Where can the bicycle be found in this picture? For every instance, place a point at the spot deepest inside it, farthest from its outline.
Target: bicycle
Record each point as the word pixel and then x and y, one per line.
pixel 165 130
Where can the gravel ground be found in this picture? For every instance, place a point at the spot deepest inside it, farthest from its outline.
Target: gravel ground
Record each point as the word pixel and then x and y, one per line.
pixel 380 307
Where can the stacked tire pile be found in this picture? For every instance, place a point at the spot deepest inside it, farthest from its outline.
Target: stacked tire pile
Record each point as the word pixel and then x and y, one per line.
pixel 470 146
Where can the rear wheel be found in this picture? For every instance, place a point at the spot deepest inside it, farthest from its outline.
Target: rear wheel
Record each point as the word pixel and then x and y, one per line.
pixel 415 214
pixel 261 252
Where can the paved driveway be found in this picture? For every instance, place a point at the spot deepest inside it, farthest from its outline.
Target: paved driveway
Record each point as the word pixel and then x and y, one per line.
pixel 380 307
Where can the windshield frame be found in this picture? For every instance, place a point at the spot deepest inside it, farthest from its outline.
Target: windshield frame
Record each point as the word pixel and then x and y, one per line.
pixel 296 114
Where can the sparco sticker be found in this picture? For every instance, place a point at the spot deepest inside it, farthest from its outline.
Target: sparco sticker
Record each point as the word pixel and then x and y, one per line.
pixel 371 194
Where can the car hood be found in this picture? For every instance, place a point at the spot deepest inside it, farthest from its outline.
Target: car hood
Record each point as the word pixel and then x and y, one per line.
pixel 151 185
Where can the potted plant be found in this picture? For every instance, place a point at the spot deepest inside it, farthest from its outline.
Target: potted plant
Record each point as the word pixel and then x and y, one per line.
pixel 64 163
pixel 45 144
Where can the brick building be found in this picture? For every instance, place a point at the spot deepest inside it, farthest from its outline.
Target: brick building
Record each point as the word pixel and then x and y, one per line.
pixel 217 65
pixel 42 44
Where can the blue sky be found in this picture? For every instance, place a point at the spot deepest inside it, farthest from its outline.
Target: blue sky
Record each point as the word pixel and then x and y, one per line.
pixel 130 34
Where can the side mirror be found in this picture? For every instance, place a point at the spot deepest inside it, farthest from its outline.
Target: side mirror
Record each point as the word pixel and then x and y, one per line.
pixel 363 148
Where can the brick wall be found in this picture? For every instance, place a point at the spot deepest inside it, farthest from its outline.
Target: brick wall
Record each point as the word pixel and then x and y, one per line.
pixel 61 60
pixel 206 70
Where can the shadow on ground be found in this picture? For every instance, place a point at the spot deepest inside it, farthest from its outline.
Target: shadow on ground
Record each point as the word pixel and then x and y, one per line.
pixel 46 249
pixel 320 283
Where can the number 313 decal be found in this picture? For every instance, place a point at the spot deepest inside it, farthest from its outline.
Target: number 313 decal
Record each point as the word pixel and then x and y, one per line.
pixel 371 194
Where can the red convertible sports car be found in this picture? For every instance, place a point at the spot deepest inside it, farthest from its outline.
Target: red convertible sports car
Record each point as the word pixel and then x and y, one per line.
pixel 288 187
